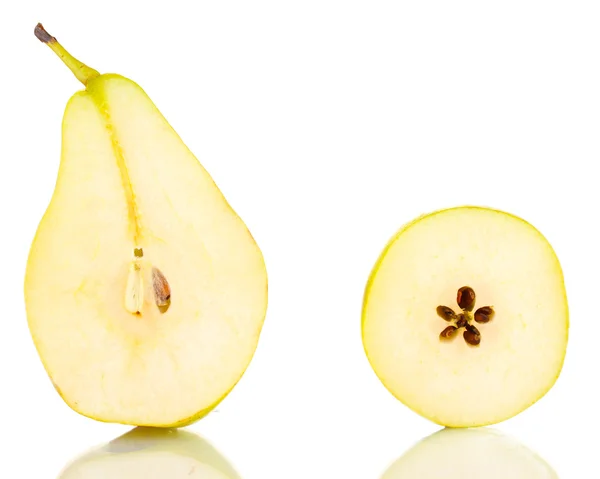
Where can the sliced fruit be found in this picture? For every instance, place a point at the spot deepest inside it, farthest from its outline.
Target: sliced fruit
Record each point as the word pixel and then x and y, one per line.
pixel 465 316
pixel 469 453
pixel 145 292
pixel 152 454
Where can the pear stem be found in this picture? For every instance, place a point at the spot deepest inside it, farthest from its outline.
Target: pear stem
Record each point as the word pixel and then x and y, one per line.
pixel 81 71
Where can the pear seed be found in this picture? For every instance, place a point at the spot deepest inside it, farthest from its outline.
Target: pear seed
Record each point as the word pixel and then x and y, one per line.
pixel 446 313
pixel 162 290
pixel 472 335
pixel 471 328
pixel 471 338
pixel 484 314
pixel 466 298
pixel 448 332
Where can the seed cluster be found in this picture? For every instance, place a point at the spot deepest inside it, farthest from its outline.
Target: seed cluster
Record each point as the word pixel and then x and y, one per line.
pixel 465 298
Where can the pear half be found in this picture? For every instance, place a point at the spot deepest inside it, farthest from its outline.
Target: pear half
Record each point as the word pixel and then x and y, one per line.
pixel 145 292
pixel 470 453
pixel 147 453
pixel 465 316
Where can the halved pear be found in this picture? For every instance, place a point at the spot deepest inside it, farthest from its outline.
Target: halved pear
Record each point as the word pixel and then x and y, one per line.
pixel 147 453
pixel 465 316
pixel 145 292
pixel 469 453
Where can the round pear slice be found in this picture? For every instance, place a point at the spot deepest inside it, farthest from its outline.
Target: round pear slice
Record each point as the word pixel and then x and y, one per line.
pixel 469 453
pixel 152 454
pixel 465 316
pixel 145 291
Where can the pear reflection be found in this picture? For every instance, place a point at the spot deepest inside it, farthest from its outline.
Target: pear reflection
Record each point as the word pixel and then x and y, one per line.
pixel 469 454
pixel 146 453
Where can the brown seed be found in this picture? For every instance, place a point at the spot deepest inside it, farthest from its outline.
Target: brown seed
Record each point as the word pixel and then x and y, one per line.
pixel 472 329
pixel 484 314
pixel 162 290
pixel 446 313
pixel 472 335
pixel 471 338
pixel 448 332
pixel 466 298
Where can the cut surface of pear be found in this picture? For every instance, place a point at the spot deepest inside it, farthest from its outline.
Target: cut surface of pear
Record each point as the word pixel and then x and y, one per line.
pixel 145 292
pixel 465 316
pixel 469 453
pixel 152 454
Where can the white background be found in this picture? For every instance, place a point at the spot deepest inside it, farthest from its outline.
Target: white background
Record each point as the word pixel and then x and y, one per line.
pixel 327 125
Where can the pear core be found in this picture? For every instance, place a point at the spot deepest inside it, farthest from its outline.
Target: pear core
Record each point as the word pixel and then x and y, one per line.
pixel 515 324
pixel 145 292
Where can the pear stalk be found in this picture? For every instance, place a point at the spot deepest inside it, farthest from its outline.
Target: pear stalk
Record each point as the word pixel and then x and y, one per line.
pixel 81 71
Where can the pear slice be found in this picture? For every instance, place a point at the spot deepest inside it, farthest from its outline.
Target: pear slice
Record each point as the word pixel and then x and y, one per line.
pixel 469 453
pixel 146 453
pixel 145 292
pixel 465 316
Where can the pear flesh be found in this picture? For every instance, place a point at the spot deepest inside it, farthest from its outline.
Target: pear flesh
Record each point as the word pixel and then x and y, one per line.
pixel 512 270
pixel 145 292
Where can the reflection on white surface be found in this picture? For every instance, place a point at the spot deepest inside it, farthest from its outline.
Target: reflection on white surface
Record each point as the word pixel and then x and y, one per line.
pixel 469 454
pixel 146 453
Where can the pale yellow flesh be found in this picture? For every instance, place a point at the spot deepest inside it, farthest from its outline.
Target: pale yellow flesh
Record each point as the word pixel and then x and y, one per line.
pixel 126 180
pixel 469 454
pixel 148 455
pixel 511 267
